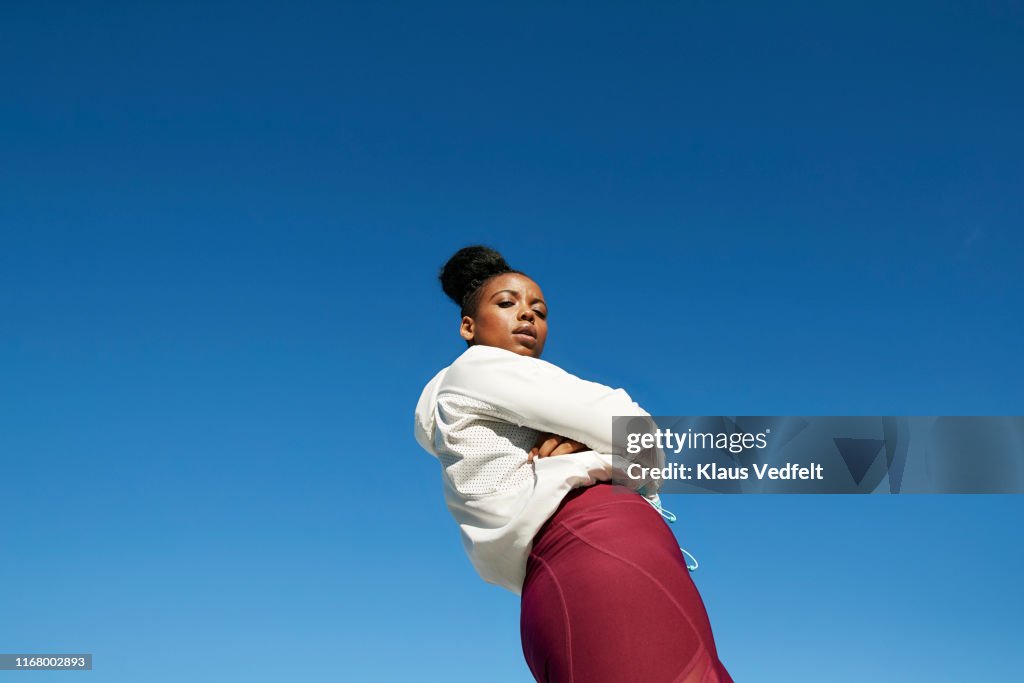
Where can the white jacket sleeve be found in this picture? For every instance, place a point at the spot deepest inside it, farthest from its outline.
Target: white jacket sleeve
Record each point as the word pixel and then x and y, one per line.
pixel 540 395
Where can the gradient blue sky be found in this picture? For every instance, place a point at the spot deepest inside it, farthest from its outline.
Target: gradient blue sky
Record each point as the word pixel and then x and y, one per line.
pixel 220 225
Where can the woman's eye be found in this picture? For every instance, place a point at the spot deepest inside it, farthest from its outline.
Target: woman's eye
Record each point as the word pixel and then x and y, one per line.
pixel 506 304
pixel 543 314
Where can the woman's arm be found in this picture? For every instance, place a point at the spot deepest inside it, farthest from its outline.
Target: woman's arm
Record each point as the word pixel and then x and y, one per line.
pixel 537 394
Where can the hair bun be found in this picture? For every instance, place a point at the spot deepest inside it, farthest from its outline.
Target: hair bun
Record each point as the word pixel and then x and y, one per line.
pixel 467 269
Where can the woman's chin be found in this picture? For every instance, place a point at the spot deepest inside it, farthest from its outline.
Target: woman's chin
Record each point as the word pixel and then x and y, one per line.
pixel 524 340
pixel 525 349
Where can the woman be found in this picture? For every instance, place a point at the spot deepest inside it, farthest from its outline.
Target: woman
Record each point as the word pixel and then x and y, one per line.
pixel 526 454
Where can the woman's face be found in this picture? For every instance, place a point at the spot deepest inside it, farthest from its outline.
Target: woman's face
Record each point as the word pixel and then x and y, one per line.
pixel 511 315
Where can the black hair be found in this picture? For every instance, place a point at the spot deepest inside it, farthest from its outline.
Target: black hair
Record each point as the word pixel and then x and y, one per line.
pixel 463 276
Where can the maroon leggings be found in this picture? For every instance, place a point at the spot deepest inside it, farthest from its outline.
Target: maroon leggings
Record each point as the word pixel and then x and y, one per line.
pixel 608 598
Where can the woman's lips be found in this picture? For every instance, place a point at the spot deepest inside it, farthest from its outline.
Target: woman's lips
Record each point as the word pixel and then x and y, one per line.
pixel 525 338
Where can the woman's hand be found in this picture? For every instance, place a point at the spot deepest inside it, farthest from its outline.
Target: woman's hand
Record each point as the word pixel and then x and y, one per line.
pixel 553 444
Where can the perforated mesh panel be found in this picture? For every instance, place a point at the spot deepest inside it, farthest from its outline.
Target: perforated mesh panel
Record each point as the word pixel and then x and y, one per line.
pixel 481 452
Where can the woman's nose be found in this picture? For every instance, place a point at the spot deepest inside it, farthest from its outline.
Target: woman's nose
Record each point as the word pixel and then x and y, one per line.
pixel 526 314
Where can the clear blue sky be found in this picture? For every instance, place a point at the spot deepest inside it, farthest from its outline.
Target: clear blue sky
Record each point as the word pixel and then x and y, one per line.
pixel 220 225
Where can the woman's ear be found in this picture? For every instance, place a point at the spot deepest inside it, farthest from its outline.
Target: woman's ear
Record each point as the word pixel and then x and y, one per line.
pixel 466 328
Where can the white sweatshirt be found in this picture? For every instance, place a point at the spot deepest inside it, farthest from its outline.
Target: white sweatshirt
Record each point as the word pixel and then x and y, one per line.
pixel 480 417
